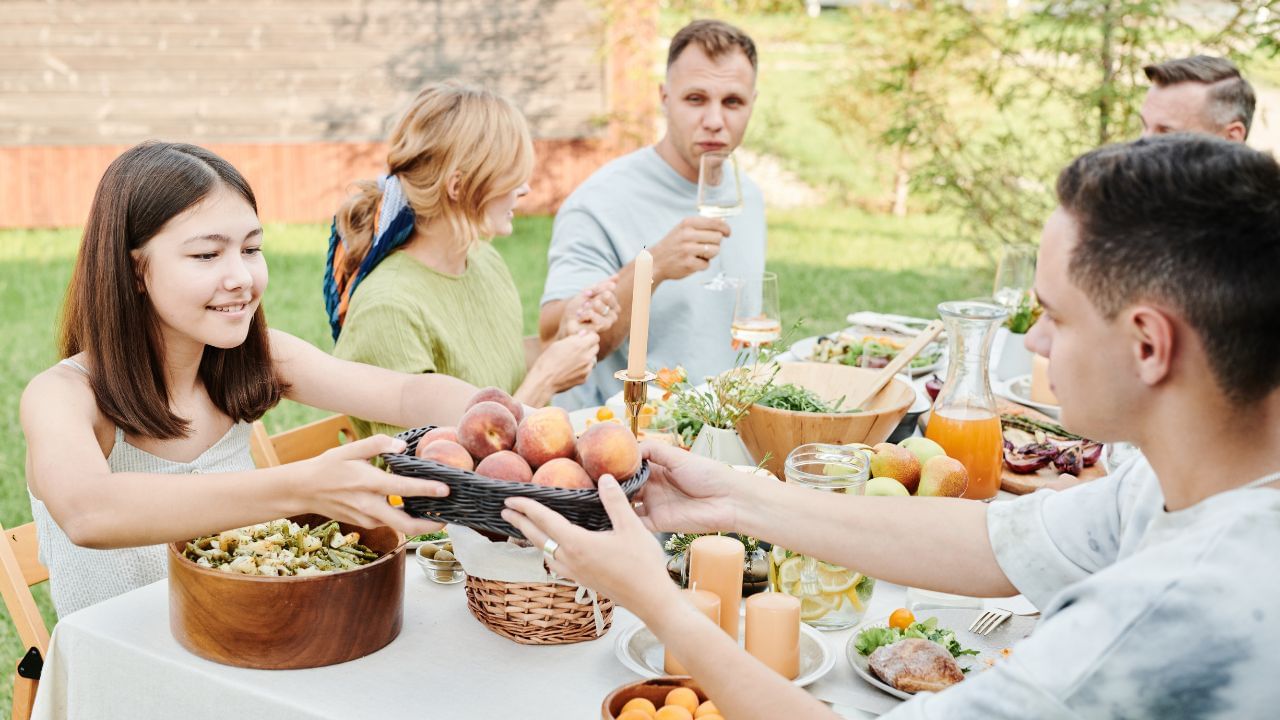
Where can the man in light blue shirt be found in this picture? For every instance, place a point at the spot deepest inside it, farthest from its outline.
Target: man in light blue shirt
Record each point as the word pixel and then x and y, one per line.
pixel 648 199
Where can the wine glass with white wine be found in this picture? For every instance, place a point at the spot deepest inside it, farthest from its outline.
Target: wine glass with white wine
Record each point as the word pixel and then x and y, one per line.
pixel 719 196
pixel 756 319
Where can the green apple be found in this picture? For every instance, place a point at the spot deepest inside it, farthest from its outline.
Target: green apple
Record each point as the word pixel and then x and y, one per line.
pixel 886 486
pixel 923 448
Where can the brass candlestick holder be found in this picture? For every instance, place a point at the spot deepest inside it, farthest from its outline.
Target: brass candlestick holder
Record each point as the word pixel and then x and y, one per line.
pixel 635 392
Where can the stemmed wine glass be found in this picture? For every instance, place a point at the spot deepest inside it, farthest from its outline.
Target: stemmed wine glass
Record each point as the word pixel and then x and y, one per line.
pixel 1015 275
pixel 719 195
pixel 756 319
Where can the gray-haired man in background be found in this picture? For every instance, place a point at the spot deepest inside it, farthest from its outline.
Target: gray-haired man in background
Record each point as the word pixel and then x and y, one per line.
pixel 1198 94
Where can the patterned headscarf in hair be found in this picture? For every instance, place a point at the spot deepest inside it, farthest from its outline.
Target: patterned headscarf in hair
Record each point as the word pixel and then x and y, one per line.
pixel 392 226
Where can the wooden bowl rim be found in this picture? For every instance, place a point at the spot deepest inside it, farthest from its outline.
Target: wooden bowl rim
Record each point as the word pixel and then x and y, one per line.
pixel 399 549
pixel 674 681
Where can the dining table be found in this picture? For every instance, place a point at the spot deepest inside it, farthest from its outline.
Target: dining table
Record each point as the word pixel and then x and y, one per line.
pixel 119 659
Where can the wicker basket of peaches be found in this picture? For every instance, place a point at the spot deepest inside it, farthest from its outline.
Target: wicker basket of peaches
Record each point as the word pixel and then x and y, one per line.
pixel 495 452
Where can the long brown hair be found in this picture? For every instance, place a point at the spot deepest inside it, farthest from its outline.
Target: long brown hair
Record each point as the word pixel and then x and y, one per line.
pixel 111 320
pixel 450 127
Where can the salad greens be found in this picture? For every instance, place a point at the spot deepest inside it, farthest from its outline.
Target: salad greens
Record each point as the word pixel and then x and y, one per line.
pixel 441 535
pixel 797 399
pixel 871 638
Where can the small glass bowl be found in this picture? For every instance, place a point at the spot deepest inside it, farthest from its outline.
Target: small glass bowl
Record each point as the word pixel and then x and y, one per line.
pixel 446 572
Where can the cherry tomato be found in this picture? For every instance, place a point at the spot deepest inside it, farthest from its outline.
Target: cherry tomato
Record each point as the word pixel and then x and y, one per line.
pixel 901 619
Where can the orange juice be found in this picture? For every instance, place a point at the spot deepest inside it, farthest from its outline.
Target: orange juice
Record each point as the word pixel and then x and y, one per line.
pixel 972 436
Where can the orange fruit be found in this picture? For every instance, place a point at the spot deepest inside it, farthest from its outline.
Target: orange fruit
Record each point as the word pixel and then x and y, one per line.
pixel 673 712
pixel 640 704
pixel 684 697
pixel 648 410
pixel 604 413
pixel 707 708
pixel 635 714
pixel 395 501
pixel 901 619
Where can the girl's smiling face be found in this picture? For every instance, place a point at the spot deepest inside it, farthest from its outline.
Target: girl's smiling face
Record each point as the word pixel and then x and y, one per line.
pixel 204 272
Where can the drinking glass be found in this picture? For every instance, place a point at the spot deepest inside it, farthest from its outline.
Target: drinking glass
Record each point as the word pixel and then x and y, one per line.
pixel 756 320
pixel 1015 275
pixel 719 195
pixel 832 597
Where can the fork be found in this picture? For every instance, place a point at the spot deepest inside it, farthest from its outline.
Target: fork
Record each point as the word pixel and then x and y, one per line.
pixel 988 621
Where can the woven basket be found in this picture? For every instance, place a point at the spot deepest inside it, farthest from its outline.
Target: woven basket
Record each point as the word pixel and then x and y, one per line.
pixel 477 501
pixel 536 614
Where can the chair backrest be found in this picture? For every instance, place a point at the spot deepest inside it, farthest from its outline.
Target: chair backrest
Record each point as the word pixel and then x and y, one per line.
pixel 299 443
pixel 20 568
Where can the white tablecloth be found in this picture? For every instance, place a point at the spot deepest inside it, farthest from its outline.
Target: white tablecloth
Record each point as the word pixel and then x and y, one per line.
pixel 118 659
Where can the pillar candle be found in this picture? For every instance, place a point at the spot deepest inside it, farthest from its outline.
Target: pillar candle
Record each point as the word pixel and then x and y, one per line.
pixel 773 632
pixel 715 564
pixel 642 291
pixel 1040 390
pixel 707 603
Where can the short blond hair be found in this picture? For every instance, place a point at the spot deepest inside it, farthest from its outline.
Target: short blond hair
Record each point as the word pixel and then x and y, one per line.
pixel 450 128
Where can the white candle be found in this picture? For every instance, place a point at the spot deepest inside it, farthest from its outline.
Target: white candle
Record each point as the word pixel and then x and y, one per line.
pixel 642 291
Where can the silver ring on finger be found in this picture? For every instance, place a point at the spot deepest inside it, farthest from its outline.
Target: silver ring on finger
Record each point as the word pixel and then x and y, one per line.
pixel 549 548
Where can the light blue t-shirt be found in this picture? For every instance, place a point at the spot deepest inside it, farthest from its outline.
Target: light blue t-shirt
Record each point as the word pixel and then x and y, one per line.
pixel 1146 613
pixel 625 206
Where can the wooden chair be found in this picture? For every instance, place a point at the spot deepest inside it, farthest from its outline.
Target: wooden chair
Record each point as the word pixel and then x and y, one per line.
pixel 299 443
pixel 20 569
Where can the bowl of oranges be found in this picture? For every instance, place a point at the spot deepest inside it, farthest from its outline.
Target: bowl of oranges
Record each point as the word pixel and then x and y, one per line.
pixel 664 698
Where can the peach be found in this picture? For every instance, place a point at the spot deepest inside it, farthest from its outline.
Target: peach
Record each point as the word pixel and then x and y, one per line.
pixel 546 434
pixel 563 473
pixel 486 428
pixel 500 396
pixel 444 432
pixel 447 452
pixel 611 449
pixel 505 465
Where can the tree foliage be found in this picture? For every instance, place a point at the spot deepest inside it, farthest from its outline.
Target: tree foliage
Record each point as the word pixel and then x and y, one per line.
pixel 981 107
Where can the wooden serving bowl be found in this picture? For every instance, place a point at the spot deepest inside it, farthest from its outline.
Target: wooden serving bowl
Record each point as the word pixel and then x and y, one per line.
pixel 655 691
pixel 279 623
pixel 776 432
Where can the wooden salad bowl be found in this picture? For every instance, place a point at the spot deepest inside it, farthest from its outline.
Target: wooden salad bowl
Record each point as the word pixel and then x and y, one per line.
pixel 655 691
pixel 775 433
pixel 279 623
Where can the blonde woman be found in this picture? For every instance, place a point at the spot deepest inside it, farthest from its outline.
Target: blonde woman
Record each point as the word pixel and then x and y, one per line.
pixel 412 282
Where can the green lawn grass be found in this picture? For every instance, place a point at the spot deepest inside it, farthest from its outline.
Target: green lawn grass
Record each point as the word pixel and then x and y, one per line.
pixel 829 261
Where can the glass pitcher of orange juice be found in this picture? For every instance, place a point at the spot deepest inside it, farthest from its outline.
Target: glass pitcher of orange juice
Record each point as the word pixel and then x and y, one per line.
pixel 964 420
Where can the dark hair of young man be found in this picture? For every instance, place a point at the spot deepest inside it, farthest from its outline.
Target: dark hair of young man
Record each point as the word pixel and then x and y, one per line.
pixel 714 37
pixel 108 315
pixel 1191 222
pixel 1231 97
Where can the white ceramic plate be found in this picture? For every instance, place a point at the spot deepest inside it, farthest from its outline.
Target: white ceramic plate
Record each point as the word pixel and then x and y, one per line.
pixel 958 620
pixel 642 653
pixel 802 351
pixel 1018 389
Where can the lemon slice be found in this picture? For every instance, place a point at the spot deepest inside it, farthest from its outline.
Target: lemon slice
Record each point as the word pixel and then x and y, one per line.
pixel 833 579
pixel 789 570
pixel 852 594
pixel 817 606
pixel 779 555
